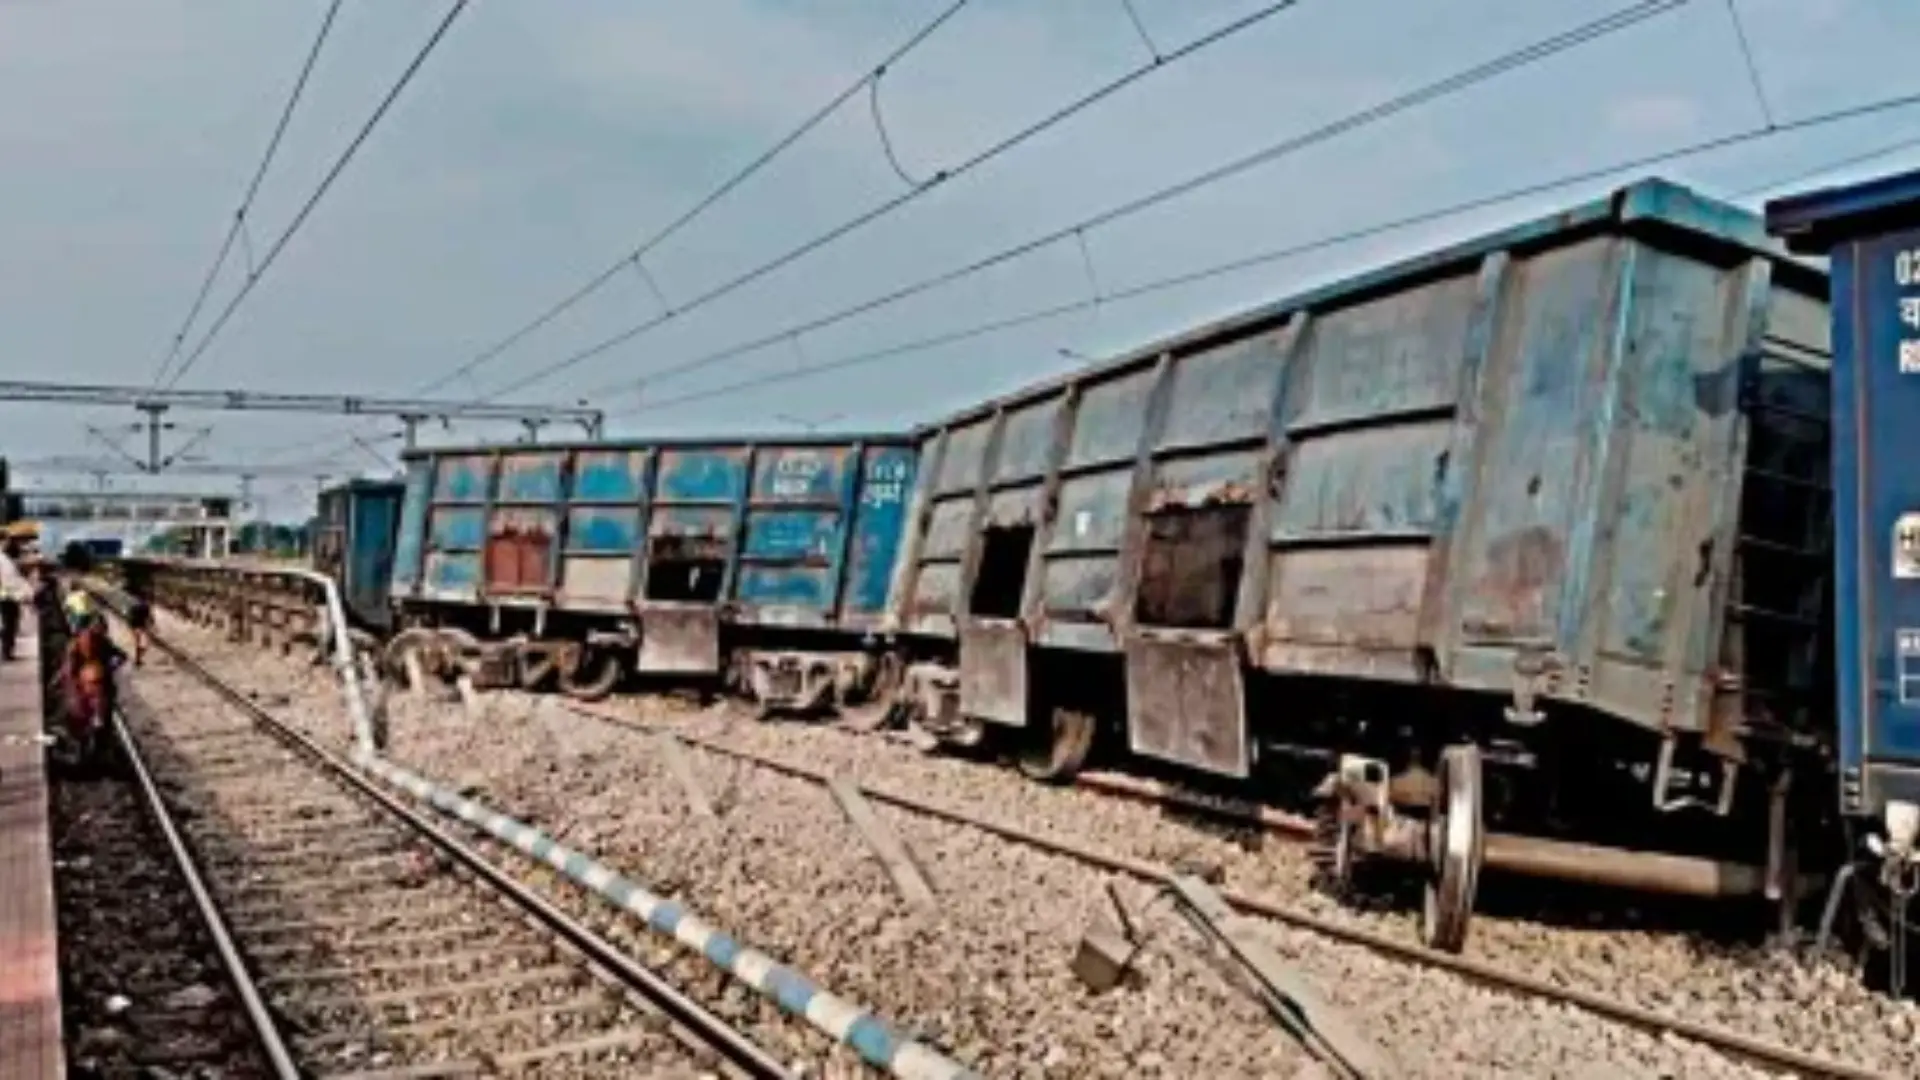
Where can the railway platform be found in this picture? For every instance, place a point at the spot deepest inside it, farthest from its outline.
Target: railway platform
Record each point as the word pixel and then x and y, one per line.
pixel 30 1036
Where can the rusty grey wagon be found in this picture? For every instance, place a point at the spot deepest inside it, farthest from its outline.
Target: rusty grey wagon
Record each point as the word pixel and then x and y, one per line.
pixel 1528 534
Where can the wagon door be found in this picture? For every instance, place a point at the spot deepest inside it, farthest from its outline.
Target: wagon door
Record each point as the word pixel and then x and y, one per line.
pixel 1199 494
pixel 692 521
pixel 1010 499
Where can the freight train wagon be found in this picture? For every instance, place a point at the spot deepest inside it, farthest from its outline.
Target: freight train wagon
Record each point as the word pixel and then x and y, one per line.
pixel 1528 534
pixel 1872 233
pixel 763 562
pixel 354 534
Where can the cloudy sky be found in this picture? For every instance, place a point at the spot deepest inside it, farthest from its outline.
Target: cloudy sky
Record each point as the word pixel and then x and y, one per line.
pixel 546 139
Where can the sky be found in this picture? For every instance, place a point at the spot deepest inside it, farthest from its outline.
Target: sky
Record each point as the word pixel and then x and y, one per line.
pixel 545 140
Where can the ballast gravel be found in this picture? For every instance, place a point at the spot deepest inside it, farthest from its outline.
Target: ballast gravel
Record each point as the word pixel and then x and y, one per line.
pixel 985 973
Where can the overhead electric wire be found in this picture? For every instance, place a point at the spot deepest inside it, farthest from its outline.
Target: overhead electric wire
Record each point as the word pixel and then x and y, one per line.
pixel 1452 84
pixel 339 166
pixel 899 201
pixel 867 217
pixel 239 223
pixel 706 203
pixel 1348 236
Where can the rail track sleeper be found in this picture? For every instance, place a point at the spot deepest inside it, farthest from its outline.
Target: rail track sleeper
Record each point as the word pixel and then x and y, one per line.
pixel 384 943
pixel 265 927
pixel 391 1036
pixel 554 974
pixel 410 965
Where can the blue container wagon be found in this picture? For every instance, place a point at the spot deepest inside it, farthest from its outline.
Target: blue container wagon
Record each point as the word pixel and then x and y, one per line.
pixel 354 534
pixel 1870 232
pixel 763 562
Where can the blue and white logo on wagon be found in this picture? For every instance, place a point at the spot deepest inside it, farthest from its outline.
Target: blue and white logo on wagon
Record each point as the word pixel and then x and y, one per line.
pixel 1907 664
pixel 1906 545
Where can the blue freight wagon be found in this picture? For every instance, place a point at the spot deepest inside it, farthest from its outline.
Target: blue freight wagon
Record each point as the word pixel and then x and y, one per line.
pixel 1528 533
pixel 1871 232
pixel 765 561
pixel 354 534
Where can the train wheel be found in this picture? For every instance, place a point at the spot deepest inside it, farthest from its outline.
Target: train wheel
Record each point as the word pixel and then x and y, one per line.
pixel 412 654
pixel 1456 842
pixel 459 650
pixel 595 677
pixel 1052 752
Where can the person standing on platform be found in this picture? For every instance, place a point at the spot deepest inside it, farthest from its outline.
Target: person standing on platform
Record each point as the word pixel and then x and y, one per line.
pixel 14 592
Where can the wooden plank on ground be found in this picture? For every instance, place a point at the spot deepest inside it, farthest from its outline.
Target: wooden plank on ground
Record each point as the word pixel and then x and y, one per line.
pixel 675 756
pixel 886 845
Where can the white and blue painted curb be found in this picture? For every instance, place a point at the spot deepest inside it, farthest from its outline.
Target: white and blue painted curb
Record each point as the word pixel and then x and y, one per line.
pixel 868 1035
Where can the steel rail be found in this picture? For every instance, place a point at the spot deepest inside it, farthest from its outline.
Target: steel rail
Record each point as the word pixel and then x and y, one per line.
pixel 1738 1044
pixel 265 1029
pixel 692 1023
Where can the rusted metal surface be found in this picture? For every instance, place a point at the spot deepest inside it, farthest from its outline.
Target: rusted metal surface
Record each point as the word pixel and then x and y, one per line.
pixel 520 551
pixel 1186 703
pixel 993 671
pixel 1638 871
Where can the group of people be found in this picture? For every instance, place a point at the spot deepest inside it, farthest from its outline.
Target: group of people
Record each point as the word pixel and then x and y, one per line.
pixel 82 681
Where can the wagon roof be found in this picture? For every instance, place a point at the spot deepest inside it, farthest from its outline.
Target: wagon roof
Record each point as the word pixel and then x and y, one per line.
pixel 1814 221
pixel 1677 216
pixel 675 442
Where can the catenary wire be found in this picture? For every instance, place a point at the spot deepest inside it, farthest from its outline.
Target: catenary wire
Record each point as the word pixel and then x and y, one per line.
pixel 1452 84
pixel 1248 262
pixel 306 210
pixel 875 213
pixel 707 202
pixel 238 224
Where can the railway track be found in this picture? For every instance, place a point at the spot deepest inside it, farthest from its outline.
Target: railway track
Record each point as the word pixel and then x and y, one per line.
pixel 366 941
pixel 1540 989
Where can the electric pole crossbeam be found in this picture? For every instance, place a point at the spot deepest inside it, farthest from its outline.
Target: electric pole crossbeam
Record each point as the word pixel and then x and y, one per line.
pixel 91 467
pixel 411 412
pixel 155 401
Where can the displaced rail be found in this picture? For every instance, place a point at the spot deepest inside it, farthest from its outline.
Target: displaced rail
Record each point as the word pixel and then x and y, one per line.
pixel 344 920
pixel 1735 1044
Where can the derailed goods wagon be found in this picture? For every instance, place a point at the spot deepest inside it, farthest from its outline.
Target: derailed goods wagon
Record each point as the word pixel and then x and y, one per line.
pixel 353 543
pixel 1515 554
pixel 763 563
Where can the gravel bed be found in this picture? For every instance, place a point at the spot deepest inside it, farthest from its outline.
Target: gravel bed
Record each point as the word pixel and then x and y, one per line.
pixel 987 974
pixel 142 991
pixel 379 936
